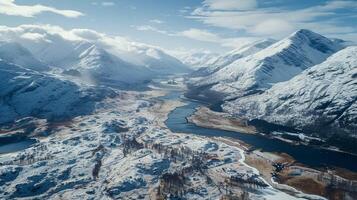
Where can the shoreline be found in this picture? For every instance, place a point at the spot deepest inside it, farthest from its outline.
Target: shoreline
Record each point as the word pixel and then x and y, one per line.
pixel 166 107
pixel 263 161
pixel 206 118
pixel 292 183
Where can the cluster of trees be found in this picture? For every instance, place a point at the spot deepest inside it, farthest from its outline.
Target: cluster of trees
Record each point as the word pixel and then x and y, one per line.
pixel 99 153
pixel 29 157
pixel 242 196
pixel 247 180
pixel 171 185
pixel 130 144
pixel 337 182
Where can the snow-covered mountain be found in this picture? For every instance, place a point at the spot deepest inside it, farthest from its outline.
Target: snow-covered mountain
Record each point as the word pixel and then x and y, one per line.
pixel 276 63
pixel 13 52
pixel 93 63
pixel 24 93
pixel 155 59
pixel 197 60
pixel 322 97
pixel 91 52
pixel 103 66
pixel 219 62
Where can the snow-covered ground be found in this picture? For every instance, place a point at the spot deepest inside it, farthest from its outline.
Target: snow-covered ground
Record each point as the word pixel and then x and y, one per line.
pixel 124 151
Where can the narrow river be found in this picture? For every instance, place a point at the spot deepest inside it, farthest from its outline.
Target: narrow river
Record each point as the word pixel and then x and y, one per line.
pixel 309 155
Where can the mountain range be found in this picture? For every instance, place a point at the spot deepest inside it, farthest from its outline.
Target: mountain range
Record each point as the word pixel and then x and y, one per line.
pixel 304 81
pixel 263 67
pixel 322 97
pixel 58 77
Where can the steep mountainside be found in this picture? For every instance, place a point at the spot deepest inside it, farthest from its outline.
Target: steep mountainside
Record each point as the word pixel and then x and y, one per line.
pixel 198 60
pixel 322 97
pixel 155 60
pixel 13 52
pixel 279 62
pixel 25 92
pixel 125 61
pixel 218 63
pixel 94 63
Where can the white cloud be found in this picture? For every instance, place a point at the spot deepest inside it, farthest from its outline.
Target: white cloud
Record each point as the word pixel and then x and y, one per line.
pixel 230 4
pixel 37 37
pixel 201 35
pixel 31 34
pixel 272 21
pixel 151 28
pixel 156 21
pixel 105 3
pixel 108 3
pixel 272 27
pixel 206 36
pixel 8 7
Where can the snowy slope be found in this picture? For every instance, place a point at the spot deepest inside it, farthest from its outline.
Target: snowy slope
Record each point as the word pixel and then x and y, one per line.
pixel 13 52
pixel 279 62
pixel 24 93
pixel 196 60
pixel 218 63
pixel 94 63
pixel 154 59
pixel 322 96
pixel 89 60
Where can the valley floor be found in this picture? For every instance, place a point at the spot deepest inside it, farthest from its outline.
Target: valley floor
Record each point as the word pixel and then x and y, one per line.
pixel 333 183
pixel 125 151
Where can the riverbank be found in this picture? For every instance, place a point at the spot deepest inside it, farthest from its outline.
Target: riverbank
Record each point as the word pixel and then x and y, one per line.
pixel 298 179
pixel 294 178
pixel 207 118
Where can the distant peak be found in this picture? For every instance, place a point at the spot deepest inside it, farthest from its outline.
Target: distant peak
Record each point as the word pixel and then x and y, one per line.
pixel 306 33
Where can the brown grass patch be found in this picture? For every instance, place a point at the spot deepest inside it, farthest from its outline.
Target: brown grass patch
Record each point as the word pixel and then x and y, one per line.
pixel 306 185
pixel 347 174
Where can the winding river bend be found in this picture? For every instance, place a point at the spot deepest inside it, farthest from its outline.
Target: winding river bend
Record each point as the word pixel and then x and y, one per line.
pixel 308 155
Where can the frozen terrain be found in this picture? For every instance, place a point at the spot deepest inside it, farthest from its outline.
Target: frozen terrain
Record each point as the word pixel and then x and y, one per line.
pixel 323 96
pixel 123 151
pixel 69 91
pixel 24 93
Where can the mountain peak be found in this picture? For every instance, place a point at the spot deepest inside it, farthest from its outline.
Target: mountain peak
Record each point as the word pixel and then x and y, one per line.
pixel 305 32
pixel 15 53
pixel 307 35
pixel 315 41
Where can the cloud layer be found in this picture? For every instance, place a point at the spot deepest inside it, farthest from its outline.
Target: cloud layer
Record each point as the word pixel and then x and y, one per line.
pixel 247 16
pixel 9 7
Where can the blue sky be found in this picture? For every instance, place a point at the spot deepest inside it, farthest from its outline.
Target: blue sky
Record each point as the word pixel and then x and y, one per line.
pixel 186 25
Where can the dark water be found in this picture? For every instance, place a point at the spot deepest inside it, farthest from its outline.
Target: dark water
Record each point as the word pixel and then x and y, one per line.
pixel 10 144
pixel 308 155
